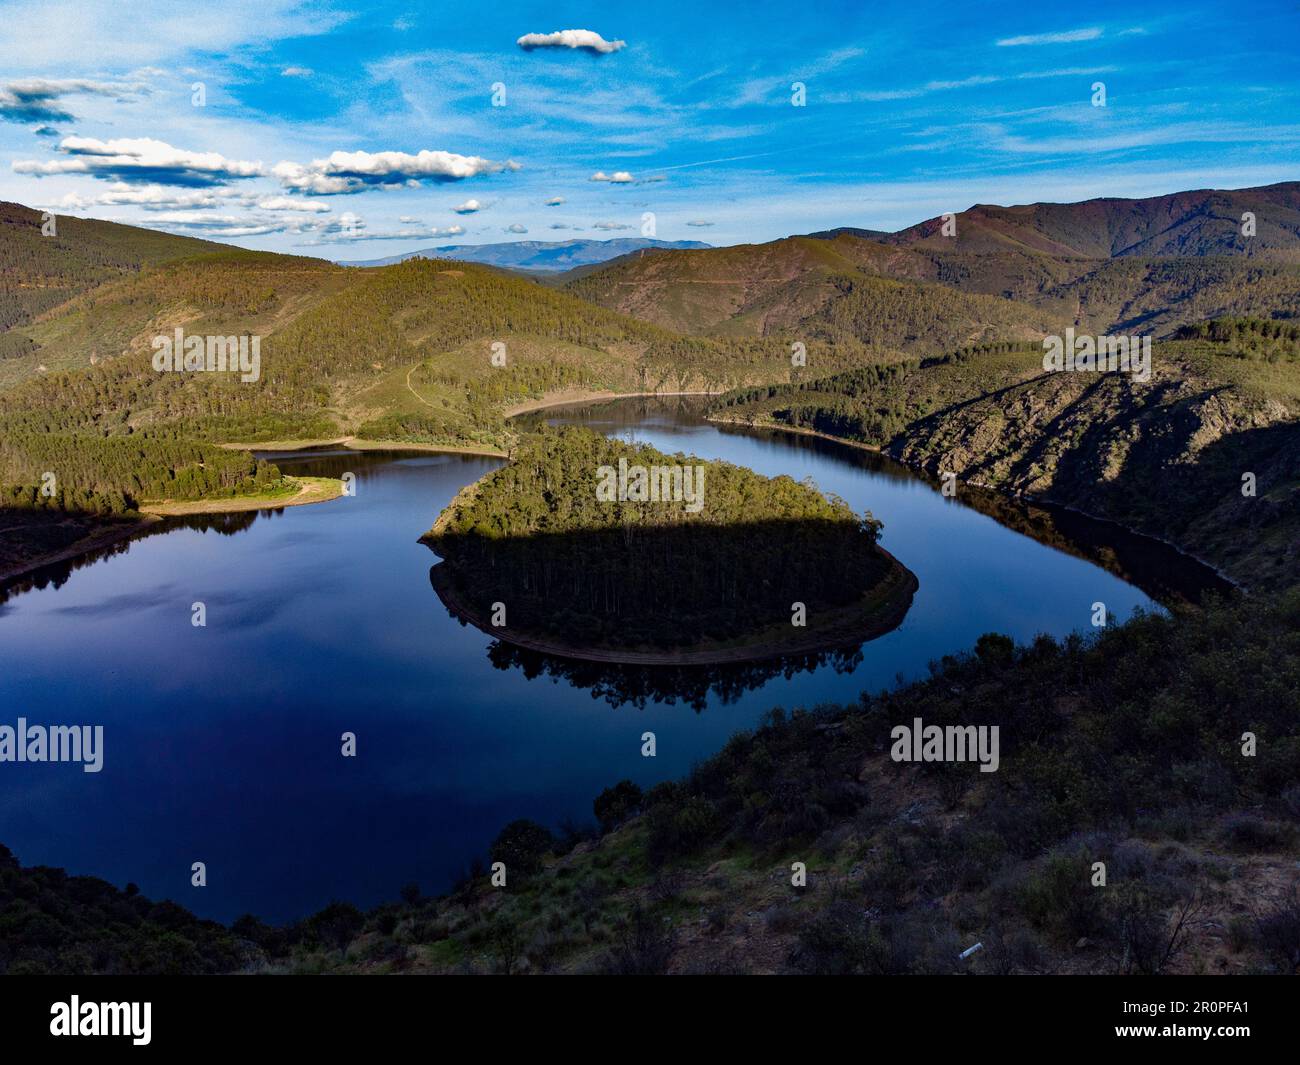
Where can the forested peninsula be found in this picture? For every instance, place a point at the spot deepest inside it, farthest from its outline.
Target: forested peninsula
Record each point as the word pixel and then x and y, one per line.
pixel 613 551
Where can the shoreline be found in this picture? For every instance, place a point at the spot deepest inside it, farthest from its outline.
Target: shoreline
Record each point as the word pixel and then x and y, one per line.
pixel 95 541
pixel 1019 497
pixel 894 595
pixel 798 430
pixel 116 534
pixel 311 490
pixel 356 443
pixel 591 397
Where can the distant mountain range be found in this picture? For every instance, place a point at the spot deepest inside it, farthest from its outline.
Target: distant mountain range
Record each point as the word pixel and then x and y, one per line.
pixel 1147 265
pixel 538 254
pixel 1200 222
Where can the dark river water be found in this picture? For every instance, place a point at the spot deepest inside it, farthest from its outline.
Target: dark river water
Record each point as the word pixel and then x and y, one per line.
pixel 222 743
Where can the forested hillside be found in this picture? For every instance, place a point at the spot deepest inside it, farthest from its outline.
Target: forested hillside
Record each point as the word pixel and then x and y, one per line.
pixel 1167 457
pixel 436 352
pixel 846 291
pixel 401 353
pixel 39 272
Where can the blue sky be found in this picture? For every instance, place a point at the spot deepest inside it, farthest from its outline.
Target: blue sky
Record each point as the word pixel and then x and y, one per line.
pixel 355 131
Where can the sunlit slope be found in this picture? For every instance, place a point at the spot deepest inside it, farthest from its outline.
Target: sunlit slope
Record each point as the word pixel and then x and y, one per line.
pixel 424 351
pixel 845 291
pixel 1155 263
pixel 1158 296
pixel 39 272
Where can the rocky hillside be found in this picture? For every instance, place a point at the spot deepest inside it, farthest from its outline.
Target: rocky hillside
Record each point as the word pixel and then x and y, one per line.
pixel 1167 456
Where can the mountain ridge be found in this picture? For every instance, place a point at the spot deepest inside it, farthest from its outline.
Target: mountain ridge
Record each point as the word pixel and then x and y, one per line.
pixel 541 255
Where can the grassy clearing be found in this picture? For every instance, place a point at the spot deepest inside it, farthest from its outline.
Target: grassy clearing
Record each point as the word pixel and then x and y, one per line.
pixel 298 491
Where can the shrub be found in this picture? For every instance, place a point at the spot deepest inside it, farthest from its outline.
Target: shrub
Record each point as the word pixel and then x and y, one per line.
pixel 615 805
pixel 645 946
pixel 334 926
pixel 678 828
pixel 1251 834
pixel 1058 898
pixel 843 941
pixel 1279 931
pixel 521 846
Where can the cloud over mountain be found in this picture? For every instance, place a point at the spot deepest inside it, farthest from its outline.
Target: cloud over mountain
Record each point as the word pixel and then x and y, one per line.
pixel 348 172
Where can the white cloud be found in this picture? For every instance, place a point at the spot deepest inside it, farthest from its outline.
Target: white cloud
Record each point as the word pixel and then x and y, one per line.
pixel 355 232
pixel 610 225
pixel 40 99
pixel 1065 37
pixel 141 159
pixel 297 72
pixel 213 225
pixel 619 177
pixel 515 227
pixel 292 203
pixel 699 223
pixel 586 40
pixel 348 172
pixel 149 197
pixel 555 201
pixel 408 219
pixel 468 207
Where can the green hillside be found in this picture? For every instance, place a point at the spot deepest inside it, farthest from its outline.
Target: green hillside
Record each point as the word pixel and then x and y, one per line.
pixel 403 353
pixel 846 292
pixel 39 272
pixel 1166 456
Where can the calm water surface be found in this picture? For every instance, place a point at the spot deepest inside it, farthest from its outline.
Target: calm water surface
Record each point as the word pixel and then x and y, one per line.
pixel 222 744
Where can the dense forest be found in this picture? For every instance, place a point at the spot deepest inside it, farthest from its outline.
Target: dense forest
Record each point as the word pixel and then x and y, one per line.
pixel 537 535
